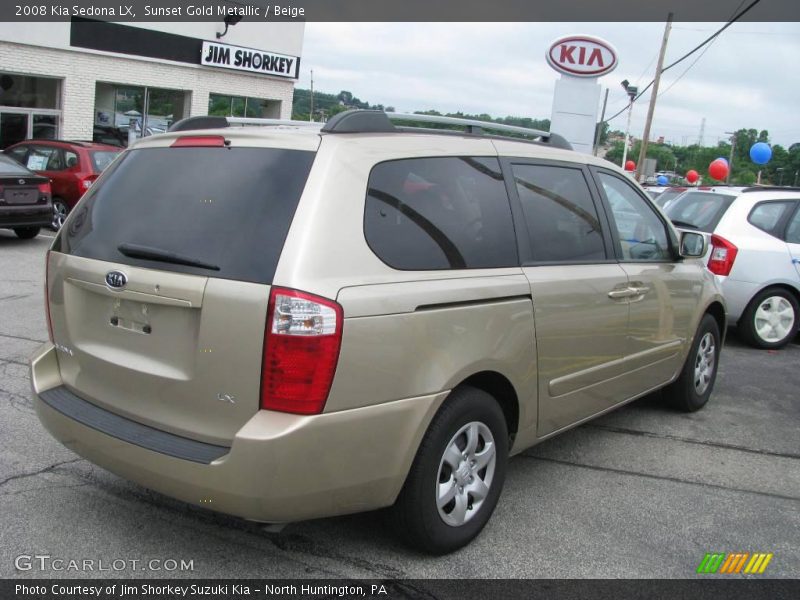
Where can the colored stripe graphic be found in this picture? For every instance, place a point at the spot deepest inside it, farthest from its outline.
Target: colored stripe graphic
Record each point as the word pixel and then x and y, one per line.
pixel 711 562
pixel 730 563
pixel 759 562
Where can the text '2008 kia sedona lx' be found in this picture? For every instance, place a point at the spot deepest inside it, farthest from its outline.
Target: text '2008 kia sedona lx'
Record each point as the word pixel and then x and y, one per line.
pixel 284 322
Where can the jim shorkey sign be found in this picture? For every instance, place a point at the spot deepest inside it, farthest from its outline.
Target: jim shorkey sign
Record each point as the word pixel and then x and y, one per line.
pixel 247 59
pixel 580 59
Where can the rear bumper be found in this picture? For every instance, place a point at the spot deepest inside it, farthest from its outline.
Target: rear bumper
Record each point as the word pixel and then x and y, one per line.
pixel 737 296
pixel 280 467
pixel 26 216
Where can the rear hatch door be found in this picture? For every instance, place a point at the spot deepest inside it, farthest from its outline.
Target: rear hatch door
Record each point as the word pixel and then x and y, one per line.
pixel 159 283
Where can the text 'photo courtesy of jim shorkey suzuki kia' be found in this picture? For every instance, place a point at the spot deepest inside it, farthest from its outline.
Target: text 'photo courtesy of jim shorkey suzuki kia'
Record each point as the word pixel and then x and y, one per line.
pixel 328 319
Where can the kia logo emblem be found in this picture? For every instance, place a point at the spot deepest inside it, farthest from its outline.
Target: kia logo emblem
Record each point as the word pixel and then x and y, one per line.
pixel 116 279
pixel 582 56
pixel 22 182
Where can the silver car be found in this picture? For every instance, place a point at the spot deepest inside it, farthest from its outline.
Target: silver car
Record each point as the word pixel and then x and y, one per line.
pixel 754 250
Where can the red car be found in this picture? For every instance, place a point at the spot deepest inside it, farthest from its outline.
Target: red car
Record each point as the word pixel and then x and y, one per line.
pixel 71 167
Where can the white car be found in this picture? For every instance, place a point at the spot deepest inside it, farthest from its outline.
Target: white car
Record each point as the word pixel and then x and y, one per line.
pixel 754 250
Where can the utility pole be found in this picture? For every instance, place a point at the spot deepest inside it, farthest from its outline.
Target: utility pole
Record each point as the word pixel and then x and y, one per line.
pixel 599 126
pixel 311 114
pixel 730 159
pixel 653 95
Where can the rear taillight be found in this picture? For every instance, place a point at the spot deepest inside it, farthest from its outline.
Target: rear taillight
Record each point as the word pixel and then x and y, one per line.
pixel 301 349
pixel 87 182
pixel 47 295
pixel 723 253
pixel 44 188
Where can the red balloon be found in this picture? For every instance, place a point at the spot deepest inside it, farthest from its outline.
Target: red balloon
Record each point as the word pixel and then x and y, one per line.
pixel 718 170
pixel 692 176
pixel 630 166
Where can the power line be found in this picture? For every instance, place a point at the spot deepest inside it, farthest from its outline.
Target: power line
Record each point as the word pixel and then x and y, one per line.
pixel 692 51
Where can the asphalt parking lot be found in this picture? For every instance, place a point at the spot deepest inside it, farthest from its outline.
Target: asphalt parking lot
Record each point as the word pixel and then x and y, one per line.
pixel 643 492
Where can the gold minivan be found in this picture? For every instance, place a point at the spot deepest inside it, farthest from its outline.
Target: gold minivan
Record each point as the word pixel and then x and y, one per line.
pixel 289 321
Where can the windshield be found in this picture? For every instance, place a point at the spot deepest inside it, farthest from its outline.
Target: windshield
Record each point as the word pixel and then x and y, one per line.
pixel 220 212
pixel 699 210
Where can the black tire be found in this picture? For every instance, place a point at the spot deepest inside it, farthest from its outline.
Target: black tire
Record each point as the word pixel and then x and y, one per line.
pixel 416 515
pixel 26 233
pixel 757 331
pixel 692 389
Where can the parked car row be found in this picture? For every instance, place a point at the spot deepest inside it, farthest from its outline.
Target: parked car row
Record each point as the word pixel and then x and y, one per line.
pixel 754 250
pixel 70 166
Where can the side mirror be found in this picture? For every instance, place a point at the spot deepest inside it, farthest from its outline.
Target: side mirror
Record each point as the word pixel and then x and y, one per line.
pixel 693 245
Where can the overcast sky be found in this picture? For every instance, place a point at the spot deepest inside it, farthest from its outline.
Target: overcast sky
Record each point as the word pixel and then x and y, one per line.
pixel 747 78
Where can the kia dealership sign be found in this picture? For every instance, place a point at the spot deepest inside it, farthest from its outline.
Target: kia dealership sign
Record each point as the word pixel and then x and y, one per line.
pixel 582 56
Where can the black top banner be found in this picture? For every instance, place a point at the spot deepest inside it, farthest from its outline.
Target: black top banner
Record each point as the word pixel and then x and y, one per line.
pixel 400 10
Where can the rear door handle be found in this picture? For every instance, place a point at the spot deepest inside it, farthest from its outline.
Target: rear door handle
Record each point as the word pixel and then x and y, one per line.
pixel 640 290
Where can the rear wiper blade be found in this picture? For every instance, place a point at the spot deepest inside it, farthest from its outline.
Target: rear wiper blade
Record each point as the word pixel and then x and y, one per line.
pixel 684 224
pixel 151 253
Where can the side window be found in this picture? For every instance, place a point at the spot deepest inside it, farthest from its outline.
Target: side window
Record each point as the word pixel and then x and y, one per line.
pixel 45 158
pixel 642 235
pixel 561 218
pixel 440 213
pixel 793 230
pixel 767 216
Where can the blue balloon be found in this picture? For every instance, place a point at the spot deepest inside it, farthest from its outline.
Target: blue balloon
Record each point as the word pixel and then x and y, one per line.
pixel 662 180
pixel 723 159
pixel 760 153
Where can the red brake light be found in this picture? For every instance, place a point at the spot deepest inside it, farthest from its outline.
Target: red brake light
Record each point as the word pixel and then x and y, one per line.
pixel 301 350
pixel 44 188
pixel 723 253
pixel 203 141
pixel 47 295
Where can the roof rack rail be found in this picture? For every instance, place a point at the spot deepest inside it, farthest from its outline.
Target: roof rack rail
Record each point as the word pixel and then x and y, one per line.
pixel 377 121
pixel 213 122
pixel 771 188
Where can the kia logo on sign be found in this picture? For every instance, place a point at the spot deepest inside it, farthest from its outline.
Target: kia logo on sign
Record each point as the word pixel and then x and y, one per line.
pixel 116 279
pixel 582 56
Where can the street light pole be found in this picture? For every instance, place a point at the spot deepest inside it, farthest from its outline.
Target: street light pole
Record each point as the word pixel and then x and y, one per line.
pixel 730 160
pixel 631 90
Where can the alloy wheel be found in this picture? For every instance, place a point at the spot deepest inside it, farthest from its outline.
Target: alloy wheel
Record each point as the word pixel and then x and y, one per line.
pixel 466 471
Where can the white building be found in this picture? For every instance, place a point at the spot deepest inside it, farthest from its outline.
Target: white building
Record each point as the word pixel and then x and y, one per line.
pixel 85 79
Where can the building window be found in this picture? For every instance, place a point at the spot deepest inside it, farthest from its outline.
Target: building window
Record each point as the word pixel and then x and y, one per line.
pixel 29 92
pixel 147 110
pixel 221 105
pixel 29 108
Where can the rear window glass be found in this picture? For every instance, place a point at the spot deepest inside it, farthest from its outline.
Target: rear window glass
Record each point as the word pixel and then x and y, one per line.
pixel 666 197
pixel 699 210
pixel 101 159
pixel 228 208
pixel 9 166
pixel 440 213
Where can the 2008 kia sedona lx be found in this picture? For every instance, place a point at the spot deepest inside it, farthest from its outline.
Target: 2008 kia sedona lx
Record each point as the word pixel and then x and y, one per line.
pixel 285 322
